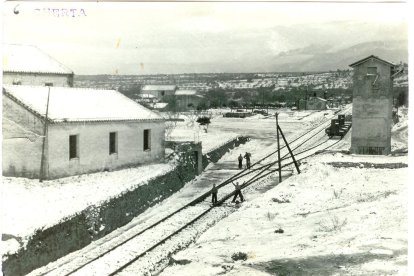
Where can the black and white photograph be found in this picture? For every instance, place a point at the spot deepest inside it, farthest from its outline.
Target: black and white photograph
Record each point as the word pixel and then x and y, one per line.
pixel 197 138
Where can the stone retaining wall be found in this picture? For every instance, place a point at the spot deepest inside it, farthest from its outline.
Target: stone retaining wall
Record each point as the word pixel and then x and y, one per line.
pixel 74 233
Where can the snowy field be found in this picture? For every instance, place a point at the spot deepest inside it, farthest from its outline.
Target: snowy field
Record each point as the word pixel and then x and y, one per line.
pixel 329 204
pixel 223 129
pixel 28 205
pixel 325 221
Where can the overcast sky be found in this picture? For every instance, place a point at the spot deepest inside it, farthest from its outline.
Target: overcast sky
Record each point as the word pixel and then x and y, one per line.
pixel 149 38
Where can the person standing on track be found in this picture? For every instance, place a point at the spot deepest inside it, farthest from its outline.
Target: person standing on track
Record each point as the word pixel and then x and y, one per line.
pixel 247 156
pixel 214 194
pixel 238 192
pixel 240 161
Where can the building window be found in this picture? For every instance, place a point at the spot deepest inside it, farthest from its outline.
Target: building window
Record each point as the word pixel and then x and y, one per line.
pixel 371 70
pixel 73 146
pixel 113 143
pixel 147 139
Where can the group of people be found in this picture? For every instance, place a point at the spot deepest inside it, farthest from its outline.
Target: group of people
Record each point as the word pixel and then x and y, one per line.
pixel 236 185
pixel 237 193
pixel 246 156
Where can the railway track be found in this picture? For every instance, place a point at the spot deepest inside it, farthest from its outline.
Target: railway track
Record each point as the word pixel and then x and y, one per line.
pixel 135 246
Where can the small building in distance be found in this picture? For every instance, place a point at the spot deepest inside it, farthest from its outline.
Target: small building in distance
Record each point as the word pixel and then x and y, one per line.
pixel 28 65
pixel 159 91
pixel 187 99
pixel 147 98
pixel 313 103
pixel 316 103
pixel 372 106
pixel 88 130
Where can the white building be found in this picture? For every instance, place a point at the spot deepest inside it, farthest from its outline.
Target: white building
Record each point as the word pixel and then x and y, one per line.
pixel 159 91
pixel 87 131
pixel 316 103
pixel 28 65
pixel 187 99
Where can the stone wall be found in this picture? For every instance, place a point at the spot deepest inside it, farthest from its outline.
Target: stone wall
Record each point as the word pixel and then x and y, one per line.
pixel 95 222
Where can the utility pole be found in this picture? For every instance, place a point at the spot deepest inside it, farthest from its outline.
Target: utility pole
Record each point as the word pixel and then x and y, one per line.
pixel 278 148
pixel 42 160
pixel 290 151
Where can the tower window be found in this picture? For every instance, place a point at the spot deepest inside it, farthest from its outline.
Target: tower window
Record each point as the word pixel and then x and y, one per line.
pixel 371 70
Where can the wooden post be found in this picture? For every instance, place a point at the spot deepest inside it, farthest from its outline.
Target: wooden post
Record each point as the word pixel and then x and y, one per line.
pixel 290 151
pixel 278 148
pixel 42 160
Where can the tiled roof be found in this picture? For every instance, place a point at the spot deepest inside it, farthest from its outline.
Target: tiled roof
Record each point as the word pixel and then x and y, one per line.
pixel 30 59
pixel 159 87
pixel 79 104
pixel 367 58
pixel 185 92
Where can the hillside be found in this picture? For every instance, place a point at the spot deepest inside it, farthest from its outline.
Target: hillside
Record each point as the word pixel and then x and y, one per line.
pixel 318 58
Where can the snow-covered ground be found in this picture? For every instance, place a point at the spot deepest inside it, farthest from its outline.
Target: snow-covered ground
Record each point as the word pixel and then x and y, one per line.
pixel 321 212
pixel 28 205
pixel 222 129
pixel 328 220
pixel 225 168
pixel 333 221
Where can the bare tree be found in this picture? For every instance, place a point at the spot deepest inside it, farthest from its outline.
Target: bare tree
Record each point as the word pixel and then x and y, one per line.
pixel 192 117
pixel 171 123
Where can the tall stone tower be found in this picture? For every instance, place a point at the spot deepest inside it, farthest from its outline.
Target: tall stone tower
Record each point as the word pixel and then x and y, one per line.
pixel 372 106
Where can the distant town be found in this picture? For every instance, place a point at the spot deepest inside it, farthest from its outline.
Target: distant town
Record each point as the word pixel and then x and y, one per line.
pixel 246 89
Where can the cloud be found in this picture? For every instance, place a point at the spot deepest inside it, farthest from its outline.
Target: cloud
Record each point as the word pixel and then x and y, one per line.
pixel 199 37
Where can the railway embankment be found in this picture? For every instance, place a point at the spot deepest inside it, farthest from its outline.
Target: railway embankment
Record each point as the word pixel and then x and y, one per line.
pixel 77 231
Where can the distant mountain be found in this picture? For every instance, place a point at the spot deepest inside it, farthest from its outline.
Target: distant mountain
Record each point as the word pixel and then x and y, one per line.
pixel 321 59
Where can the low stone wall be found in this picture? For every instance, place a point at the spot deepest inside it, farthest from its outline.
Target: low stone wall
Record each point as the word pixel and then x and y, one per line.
pixel 216 154
pixel 97 221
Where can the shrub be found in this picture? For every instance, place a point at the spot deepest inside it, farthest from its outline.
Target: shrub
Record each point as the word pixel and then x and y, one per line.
pixel 271 216
pixel 332 224
pixel 279 231
pixel 239 256
pixel 204 121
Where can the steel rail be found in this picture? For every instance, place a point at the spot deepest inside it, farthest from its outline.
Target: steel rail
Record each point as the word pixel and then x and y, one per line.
pixel 205 195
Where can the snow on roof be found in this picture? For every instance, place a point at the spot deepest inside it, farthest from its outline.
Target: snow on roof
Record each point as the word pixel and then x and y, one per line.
pixel 185 92
pixel 370 57
pixel 146 96
pixel 160 105
pixel 321 99
pixel 30 59
pixel 79 104
pixel 158 87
